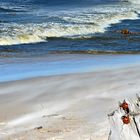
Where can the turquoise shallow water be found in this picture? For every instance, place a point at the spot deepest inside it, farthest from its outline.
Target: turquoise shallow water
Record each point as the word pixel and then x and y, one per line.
pixel 17 68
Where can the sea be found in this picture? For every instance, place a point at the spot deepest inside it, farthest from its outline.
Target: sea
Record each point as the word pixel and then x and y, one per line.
pixel 48 37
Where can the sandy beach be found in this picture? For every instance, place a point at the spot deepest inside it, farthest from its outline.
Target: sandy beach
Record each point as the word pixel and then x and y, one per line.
pixel 68 68
pixel 69 106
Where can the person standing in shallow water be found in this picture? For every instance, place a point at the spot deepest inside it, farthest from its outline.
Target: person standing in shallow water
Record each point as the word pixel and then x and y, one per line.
pixel 127 32
pixel 124 32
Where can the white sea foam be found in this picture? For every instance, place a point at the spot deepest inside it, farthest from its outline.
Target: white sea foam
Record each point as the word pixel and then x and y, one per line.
pixel 20 39
pixel 79 25
pixel 134 1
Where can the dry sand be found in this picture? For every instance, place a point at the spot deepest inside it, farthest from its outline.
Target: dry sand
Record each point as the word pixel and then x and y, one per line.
pixel 67 107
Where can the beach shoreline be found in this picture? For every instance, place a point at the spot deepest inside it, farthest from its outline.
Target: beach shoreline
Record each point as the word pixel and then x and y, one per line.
pixel 64 65
pixel 65 106
pixel 13 69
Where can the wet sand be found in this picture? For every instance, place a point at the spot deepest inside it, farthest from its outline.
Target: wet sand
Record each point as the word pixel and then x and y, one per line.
pixel 70 106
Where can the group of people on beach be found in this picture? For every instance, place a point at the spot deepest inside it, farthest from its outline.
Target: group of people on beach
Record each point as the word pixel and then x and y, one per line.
pixel 125 118
pixel 130 114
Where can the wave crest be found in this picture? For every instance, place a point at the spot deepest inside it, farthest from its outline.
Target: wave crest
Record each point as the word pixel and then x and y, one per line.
pixel 32 33
pixel 134 1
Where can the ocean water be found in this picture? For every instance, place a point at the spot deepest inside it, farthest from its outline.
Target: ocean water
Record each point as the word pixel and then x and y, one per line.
pixel 38 28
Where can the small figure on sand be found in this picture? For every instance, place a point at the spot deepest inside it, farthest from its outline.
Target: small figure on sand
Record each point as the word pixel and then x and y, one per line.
pixel 126 119
pixel 125 107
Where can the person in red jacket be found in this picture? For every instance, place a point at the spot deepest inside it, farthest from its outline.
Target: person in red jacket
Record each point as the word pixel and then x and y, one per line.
pixel 126 119
pixel 125 106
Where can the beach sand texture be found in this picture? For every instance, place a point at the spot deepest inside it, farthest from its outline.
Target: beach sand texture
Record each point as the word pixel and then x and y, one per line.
pixel 72 106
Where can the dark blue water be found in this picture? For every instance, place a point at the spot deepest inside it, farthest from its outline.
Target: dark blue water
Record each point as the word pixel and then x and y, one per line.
pixel 56 2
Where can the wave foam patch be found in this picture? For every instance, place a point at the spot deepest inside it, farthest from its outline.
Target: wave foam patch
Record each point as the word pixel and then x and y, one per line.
pixel 76 27
pixel 134 1
pixel 20 39
pixel 90 26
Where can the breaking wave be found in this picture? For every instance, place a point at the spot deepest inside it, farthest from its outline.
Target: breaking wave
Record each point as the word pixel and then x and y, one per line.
pixel 134 1
pixel 71 26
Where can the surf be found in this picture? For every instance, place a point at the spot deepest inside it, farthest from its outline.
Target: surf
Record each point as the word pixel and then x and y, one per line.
pixel 84 23
pixel 134 1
